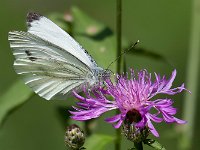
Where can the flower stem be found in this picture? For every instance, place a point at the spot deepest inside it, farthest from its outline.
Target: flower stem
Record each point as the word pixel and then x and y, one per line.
pixel 87 128
pixel 118 28
pixel 138 146
pixel 190 101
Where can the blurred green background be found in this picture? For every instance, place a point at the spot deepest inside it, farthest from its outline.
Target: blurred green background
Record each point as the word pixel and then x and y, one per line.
pixel 169 28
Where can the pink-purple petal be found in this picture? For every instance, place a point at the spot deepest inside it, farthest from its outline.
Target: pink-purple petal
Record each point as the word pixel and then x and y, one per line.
pixel 179 121
pixel 113 119
pixel 155 118
pixel 152 129
pixel 168 85
pixel 118 124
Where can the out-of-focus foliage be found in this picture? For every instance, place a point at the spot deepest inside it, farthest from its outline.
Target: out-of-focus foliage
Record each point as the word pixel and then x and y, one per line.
pixel 16 95
pixel 98 142
pixel 143 52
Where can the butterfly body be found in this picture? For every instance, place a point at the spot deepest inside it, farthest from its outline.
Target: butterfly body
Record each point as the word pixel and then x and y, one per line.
pixel 51 62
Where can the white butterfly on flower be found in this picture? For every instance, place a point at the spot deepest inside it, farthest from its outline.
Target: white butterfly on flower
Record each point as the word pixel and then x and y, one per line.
pixel 51 62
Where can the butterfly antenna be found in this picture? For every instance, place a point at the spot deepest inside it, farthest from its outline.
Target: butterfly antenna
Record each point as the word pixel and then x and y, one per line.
pixel 133 46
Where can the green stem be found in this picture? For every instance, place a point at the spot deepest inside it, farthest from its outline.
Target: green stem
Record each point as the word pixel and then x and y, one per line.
pixel 118 28
pixel 138 146
pixel 119 32
pixel 87 127
pixel 192 79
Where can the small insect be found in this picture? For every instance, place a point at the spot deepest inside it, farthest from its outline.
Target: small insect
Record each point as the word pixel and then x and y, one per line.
pixel 51 62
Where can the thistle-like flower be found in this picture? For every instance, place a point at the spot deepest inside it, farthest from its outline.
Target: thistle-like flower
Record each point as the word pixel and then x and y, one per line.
pixel 135 100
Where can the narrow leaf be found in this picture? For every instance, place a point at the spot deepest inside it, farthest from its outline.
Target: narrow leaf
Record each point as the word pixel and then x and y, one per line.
pixel 148 53
pixel 154 144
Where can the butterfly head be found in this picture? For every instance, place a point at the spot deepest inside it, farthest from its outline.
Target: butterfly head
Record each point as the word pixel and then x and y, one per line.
pixel 106 74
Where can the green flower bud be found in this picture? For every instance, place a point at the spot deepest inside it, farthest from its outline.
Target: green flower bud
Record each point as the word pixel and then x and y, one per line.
pixel 134 134
pixel 74 137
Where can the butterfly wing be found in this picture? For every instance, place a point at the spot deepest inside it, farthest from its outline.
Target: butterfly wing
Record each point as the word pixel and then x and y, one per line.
pixel 51 69
pixel 47 30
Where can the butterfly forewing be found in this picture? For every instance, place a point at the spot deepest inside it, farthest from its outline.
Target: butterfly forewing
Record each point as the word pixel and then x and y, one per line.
pixel 51 62
pixel 49 31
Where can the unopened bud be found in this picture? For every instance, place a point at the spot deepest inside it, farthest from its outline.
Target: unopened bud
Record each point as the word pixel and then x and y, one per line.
pixel 74 137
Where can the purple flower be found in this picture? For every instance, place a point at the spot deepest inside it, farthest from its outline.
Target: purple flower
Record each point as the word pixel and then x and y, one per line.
pixel 134 99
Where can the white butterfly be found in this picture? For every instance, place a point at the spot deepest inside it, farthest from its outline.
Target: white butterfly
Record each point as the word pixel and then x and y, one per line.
pixel 51 61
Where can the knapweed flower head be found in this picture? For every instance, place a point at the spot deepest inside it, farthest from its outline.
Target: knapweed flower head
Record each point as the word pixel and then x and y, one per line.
pixel 135 99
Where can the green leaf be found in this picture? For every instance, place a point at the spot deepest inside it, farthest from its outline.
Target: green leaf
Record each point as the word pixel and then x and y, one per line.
pixel 98 142
pixel 148 53
pixel 154 144
pixel 85 24
pixel 16 95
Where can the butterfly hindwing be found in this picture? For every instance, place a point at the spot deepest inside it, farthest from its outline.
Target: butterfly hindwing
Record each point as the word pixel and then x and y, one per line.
pixel 44 65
